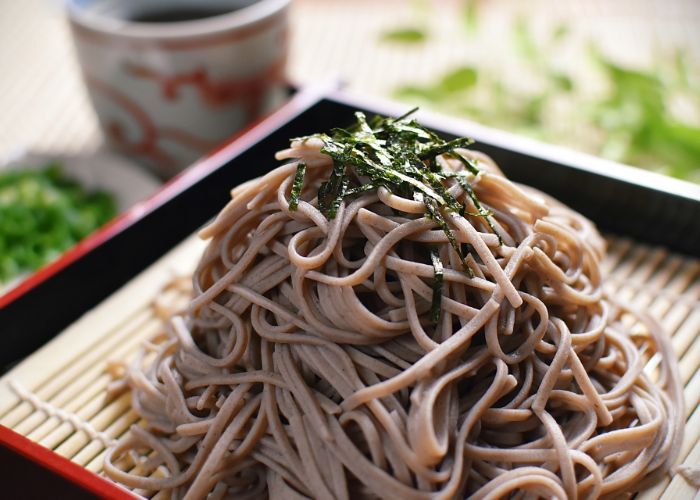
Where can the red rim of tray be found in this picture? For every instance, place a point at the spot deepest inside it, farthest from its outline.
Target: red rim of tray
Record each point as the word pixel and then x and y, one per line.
pixel 61 466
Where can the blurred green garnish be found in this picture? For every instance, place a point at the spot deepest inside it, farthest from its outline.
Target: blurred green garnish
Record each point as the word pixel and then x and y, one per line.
pixel 640 128
pixel 405 35
pixel 415 31
pixel 448 87
pixel 632 119
pixel 42 213
pixel 470 16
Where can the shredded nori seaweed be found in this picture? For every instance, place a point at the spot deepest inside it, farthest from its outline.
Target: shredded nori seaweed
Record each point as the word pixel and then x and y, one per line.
pixel 400 155
pixel 297 186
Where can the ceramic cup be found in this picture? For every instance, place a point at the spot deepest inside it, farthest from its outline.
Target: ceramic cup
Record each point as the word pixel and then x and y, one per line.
pixel 171 79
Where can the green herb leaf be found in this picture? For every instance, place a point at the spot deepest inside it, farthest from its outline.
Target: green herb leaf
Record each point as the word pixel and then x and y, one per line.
pixel 405 35
pixel 561 81
pixel 460 79
pixel 560 32
pixel 470 16
pixel 524 40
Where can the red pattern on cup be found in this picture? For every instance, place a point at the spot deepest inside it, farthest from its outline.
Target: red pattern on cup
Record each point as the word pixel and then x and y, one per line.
pixel 248 91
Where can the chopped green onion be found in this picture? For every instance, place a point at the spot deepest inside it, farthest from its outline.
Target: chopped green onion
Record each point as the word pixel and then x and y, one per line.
pixel 42 213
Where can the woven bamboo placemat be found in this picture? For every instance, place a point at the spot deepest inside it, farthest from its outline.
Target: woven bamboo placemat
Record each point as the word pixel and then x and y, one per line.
pixel 58 397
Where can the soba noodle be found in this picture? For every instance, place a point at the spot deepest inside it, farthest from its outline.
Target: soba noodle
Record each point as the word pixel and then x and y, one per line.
pixel 307 365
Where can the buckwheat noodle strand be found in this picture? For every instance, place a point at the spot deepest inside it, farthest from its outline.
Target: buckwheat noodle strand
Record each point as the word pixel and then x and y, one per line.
pixel 307 365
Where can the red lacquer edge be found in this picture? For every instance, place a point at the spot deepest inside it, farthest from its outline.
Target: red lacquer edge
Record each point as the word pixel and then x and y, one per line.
pixel 62 466
pixel 233 146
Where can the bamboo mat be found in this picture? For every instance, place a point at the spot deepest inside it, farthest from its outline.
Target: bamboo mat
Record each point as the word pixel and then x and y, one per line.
pixel 58 397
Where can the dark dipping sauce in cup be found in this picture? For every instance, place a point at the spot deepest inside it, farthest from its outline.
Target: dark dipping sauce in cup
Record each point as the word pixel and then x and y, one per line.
pixel 179 14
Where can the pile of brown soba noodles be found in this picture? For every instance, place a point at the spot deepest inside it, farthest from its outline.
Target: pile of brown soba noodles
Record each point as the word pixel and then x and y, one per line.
pixel 310 361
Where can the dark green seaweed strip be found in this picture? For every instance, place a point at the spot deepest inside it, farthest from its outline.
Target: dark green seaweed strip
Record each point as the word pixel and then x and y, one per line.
pixel 400 155
pixel 297 186
pixel 481 211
